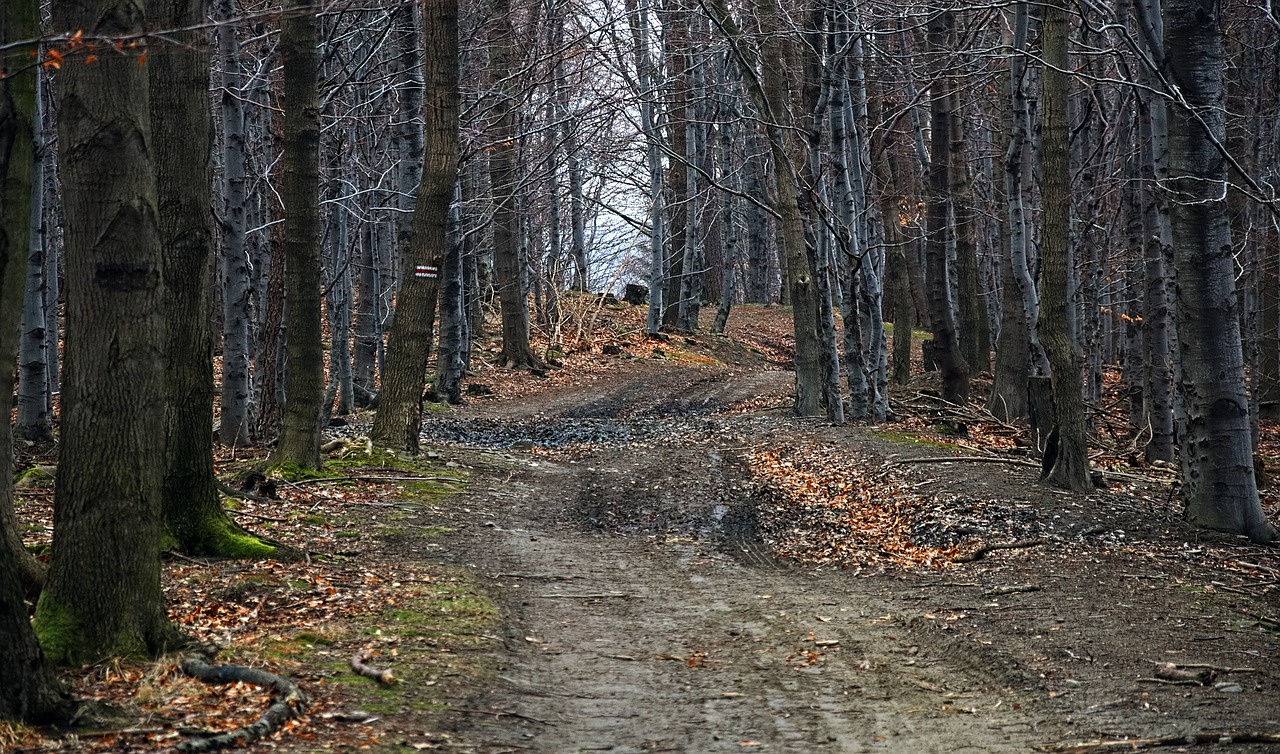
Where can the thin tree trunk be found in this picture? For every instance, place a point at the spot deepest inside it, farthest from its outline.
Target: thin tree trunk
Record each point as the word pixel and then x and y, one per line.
pixel 454 340
pixel 34 420
pixel 1069 468
pixel 946 346
pixel 304 351
pixel 234 428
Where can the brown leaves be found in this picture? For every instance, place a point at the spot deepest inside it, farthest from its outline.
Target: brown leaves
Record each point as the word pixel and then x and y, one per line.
pixel 823 508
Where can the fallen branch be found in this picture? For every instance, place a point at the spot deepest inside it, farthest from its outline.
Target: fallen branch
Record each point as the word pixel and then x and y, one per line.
pixel 290 701
pixel 358 661
pixel 982 550
pixel 1190 739
pixel 599 596
pixel 968 459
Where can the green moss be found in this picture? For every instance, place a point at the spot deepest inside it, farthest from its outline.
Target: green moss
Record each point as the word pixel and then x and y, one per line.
pixel 222 538
pixel 292 472
pixel 36 476
pixel 57 630
pixel 904 438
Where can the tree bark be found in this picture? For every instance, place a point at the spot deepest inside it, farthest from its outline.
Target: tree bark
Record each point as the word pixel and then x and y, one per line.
pixel 504 183
pixel 304 350
pixel 234 427
pixel 180 117
pixel 1070 467
pixel 946 346
pixel 17 132
pixel 34 421
pixel 1218 473
pixel 399 416
pixel 103 596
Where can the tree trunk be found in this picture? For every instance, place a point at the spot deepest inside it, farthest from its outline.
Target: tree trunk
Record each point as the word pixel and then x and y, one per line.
pixel 20 21
pixel 1009 397
pixel 179 101
pixel 946 346
pixel 505 183
pixel 234 428
pixel 304 350
pixel 35 415
pixel 399 416
pixel 1218 477
pixel 1070 466
pixel 455 341
pixel 653 140
pixel 103 596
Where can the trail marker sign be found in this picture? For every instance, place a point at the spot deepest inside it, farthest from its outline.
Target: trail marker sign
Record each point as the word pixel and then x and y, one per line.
pixel 426 271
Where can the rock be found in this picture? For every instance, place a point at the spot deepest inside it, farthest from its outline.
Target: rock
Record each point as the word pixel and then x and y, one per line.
pixel 475 388
pixel 1229 688
pixel 611 349
pixel 636 294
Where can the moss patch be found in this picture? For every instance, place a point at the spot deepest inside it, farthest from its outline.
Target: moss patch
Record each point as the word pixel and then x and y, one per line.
pixel 904 438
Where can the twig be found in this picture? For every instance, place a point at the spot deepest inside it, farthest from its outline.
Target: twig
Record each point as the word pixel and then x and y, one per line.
pixel 982 550
pixel 375 479
pixel 358 661
pixel 600 596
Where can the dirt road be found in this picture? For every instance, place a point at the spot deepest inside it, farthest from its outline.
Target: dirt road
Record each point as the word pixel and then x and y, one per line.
pixel 614 524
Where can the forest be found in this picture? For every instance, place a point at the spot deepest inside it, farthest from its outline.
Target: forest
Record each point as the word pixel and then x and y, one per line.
pixel 276 218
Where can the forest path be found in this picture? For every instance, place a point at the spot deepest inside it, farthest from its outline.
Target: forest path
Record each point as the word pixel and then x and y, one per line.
pixel 641 613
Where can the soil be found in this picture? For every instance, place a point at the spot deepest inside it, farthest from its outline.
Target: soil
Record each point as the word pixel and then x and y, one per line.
pixel 617 524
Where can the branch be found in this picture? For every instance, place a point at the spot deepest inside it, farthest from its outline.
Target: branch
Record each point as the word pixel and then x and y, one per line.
pixel 290 702
pixel 358 661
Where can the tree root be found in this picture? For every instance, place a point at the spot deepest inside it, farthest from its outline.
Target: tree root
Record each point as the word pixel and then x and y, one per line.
pixel 1189 739
pixel 358 661
pixel 290 702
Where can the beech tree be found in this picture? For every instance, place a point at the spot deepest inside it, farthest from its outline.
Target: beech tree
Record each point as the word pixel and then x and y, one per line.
pixel 1067 458
pixel 304 355
pixel 399 416
pixel 179 102
pixel 1217 451
pixel 28 688
pixel 103 593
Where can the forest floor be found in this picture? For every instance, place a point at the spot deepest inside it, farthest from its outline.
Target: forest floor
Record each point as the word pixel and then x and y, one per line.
pixel 644 551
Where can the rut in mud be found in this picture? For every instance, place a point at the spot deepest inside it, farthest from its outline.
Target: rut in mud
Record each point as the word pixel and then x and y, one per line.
pixel 645 616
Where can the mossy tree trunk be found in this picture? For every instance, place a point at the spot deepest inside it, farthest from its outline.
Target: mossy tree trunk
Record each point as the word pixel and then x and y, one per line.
pixel 28 689
pixel 103 595
pixel 304 348
pixel 399 417
pixel 180 117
